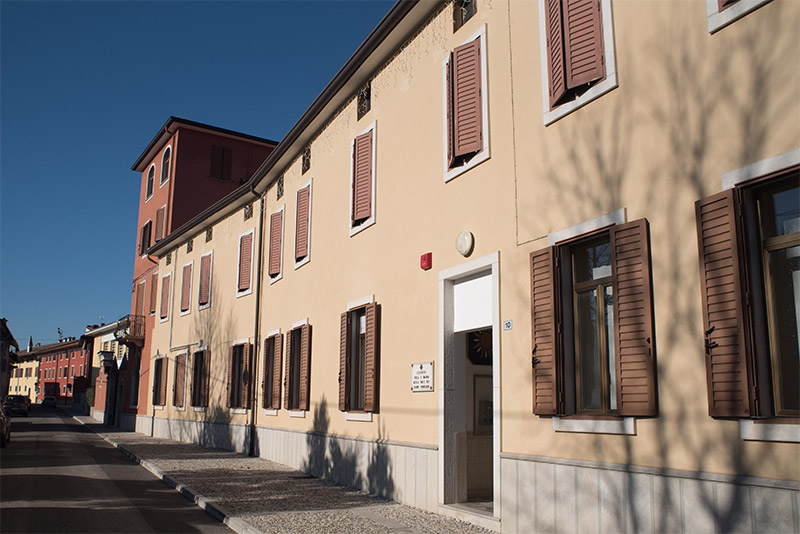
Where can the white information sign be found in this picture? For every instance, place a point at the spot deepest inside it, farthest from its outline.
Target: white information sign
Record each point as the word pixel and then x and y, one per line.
pixel 422 376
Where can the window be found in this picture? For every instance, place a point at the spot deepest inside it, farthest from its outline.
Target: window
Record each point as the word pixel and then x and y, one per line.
pixel 358 360
pixel 153 292
pixel 80 371
pixel 306 163
pixel 160 382
pixel 592 315
pixel 186 289
pixel 363 101
pixel 201 362
pixel 161 223
pixel 275 248
pixel 72 372
pixel 576 38
pixel 204 295
pixel 151 176
pixel 723 12
pixel 302 226
pixel 463 10
pixel 221 160
pixel 239 376
pixel 144 242
pixel 245 263
pixel 165 165
pixel 248 211
pixel 279 188
pixel 465 105
pixel 140 290
pixel 180 381
pixel 749 250
pixel 271 386
pixel 362 198
pixel 298 368
pixel 165 297
pixel 135 363
pixel 209 234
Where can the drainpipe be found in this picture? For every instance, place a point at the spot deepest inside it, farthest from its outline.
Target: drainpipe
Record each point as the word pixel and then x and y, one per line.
pixel 254 352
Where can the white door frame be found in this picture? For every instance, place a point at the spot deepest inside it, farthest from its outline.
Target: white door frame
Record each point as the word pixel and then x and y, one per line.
pixel 489 264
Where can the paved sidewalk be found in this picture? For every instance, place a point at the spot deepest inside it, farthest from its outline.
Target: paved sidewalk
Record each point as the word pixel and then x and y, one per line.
pixel 253 495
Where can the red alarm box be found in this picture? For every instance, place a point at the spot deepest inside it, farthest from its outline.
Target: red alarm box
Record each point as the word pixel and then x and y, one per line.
pixel 426 261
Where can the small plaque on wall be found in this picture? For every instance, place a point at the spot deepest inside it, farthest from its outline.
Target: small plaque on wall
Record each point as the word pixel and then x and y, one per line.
pixel 422 376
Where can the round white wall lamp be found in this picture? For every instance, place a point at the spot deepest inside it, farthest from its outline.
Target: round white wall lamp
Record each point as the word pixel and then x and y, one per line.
pixel 465 242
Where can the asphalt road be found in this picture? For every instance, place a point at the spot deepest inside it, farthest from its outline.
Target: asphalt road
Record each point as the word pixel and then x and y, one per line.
pixel 58 476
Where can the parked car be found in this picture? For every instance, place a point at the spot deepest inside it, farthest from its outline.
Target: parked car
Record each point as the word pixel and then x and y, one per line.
pixel 16 404
pixel 49 402
pixel 5 428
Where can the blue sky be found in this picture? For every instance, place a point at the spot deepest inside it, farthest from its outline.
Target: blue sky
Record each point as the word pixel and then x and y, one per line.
pixel 84 86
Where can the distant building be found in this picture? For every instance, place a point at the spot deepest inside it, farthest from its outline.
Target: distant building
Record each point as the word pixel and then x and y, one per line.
pixel 6 356
pixel 64 369
pixel 25 376
pixel 108 358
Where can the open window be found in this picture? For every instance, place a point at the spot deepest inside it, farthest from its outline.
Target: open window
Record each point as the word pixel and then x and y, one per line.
pixel 359 359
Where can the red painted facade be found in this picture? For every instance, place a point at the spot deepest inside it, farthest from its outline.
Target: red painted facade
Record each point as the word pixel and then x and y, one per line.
pixel 64 369
pixel 188 189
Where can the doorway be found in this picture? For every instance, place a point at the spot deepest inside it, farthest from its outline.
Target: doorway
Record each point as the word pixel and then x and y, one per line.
pixel 469 386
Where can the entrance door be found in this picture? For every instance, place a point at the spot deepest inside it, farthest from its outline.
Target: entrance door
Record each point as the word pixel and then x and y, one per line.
pixel 469 386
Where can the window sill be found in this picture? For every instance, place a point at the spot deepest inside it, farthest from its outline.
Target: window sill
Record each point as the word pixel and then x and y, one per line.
pixel 186 312
pixel 719 19
pixel 202 307
pixel 751 430
pixel 244 292
pixel 477 159
pixel 273 279
pixel 271 411
pixel 303 261
pixel 157 407
pixel 238 410
pixel 180 409
pixel 623 426
pixel 363 226
pixel 199 408
pixel 297 413
pixel 358 416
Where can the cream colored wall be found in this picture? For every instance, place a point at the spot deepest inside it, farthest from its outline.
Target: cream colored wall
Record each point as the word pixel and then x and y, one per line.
pixel 25 385
pixel 226 320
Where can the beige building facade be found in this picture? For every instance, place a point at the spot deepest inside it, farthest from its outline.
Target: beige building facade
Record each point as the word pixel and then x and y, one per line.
pixel 25 376
pixel 467 279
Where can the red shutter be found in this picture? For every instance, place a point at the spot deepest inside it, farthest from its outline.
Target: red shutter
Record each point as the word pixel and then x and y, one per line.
pixel 276 371
pixel 244 390
pixel 555 51
pixel 362 177
pixel 305 366
pixel 467 108
pixel 275 238
pixel 205 280
pixel 180 380
pixel 230 378
pixel 371 359
pixel 153 292
pixel 206 377
pixel 245 253
pixel 544 316
pixel 633 320
pixel 723 310
pixel 450 131
pixel 140 298
pixel 164 297
pixel 583 42
pixel 160 212
pixel 344 361
pixel 186 287
pixel 301 238
pixel 286 377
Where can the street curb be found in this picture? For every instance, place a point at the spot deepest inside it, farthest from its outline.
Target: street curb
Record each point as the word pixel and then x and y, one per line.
pixel 236 524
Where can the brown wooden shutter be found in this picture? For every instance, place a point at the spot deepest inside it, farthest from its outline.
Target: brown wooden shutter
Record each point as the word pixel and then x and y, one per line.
pixel 286 377
pixel 264 384
pixel 245 254
pixel 555 50
pixel 633 320
pixel 163 394
pixel 217 161
pixel 140 298
pixel 344 362
pixel 371 359
pixel 544 316
pixel 186 287
pixel 301 237
pixel 206 377
pixel 205 280
pixel 230 378
pixel 192 384
pixel 156 374
pixel 160 212
pixel 467 108
pixel 180 380
pixel 275 238
pixel 165 297
pixel 723 310
pixel 583 42
pixel 276 371
pixel 153 292
pixel 305 366
pixel 244 390
pixel 227 163
pixel 362 177
pixel 450 131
